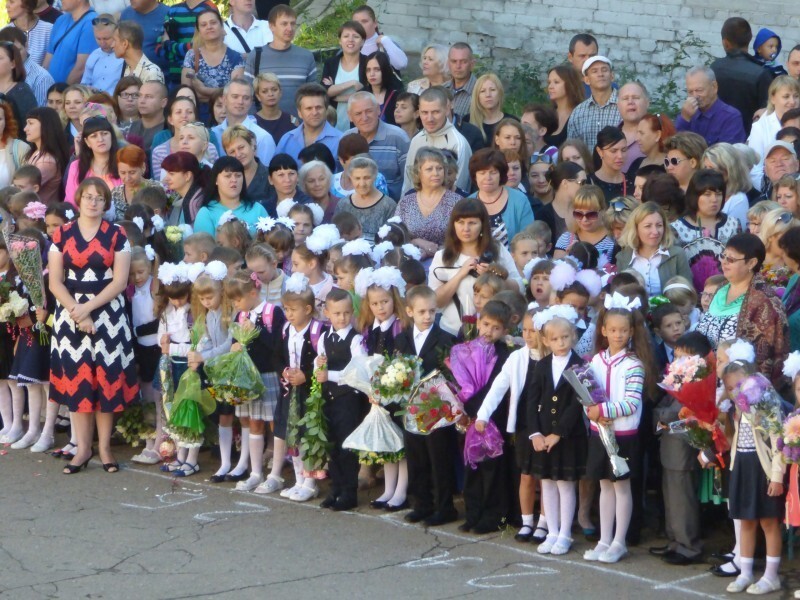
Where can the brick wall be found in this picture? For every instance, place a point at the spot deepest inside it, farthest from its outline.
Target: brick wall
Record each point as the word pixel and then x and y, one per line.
pixel 637 34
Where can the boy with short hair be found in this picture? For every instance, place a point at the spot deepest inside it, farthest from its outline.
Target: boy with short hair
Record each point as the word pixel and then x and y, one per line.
pixel 198 247
pixel 345 407
pixel 153 196
pixel 230 256
pixel 523 248
pixel 543 236
pixel 669 325
pixel 348 226
pixel 28 178
pixel 431 458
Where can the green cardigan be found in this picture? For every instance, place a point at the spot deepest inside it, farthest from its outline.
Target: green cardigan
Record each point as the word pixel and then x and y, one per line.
pixel 675 264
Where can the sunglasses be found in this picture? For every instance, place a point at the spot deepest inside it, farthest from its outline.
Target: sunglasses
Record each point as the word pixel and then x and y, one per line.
pixel 785 218
pixel 541 157
pixel 729 260
pixel 591 215
pixel 618 206
pixel 674 161
pixel 580 182
pixel 103 21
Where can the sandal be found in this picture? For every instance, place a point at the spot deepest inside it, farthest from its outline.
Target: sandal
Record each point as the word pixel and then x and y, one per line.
pixel 186 470
pixel 171 467
pixel 66 451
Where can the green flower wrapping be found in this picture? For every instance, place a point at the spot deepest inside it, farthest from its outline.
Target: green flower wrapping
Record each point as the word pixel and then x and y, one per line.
pixel 233 377
pixel 314 444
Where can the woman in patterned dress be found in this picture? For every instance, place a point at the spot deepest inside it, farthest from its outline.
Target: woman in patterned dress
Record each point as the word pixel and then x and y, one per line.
pixel 92 370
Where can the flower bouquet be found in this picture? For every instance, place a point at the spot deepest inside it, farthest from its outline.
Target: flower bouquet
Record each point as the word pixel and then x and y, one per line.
pixel 757 399
pixel 314 445
pixel 590 393
pixel 789 447
pixel 701 435
pixel 692 381
pixel 431 406
pixel 471 364
pixel 233 377
pixel 13 307
pixel 175 235
pixel 480 446
pixel 190 403
pixel 469 327
pixel 395 378
pixel 27 258
pixel 135 423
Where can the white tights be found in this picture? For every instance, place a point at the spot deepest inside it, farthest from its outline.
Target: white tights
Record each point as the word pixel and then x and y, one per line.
pixel 395 482
pixel 37 396
pixel 559 506
pixel 12 403
pixel 616 504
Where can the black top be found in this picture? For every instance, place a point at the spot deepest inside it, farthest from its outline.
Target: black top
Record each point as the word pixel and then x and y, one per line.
pixel 743 83
pixel 554 409
pixel 614 190
pixel 259 187
pixel 557 139
pixel 264 350
pixel 437 345
pixel 331 67
pixel 22 101
pixel 471 133
pixel 277 128
pixel 556 224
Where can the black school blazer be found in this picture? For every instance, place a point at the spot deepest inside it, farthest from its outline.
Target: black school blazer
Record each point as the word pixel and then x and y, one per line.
pixel 556 410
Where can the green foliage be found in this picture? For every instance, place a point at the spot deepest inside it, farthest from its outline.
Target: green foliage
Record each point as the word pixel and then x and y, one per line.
pixel 687 51
pixel 523 84
pixel 323 33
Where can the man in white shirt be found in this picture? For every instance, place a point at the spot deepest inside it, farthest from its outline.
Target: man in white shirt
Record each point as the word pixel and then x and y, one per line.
pixel 128 40
pixel 243 32
pixel 376 41
pixel 103 68
pixel 238 98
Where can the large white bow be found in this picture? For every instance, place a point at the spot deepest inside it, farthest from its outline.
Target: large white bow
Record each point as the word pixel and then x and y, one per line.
pixel 617 300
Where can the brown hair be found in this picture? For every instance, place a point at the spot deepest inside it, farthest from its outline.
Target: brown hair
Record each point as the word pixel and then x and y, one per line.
pixel 99 185
pixel 366 317
pixel 205 285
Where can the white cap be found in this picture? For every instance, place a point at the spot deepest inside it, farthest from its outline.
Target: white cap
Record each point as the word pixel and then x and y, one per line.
pixel 590 61
pixel 781 144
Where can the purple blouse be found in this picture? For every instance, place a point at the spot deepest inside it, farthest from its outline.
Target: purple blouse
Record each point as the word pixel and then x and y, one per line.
pixel 433 227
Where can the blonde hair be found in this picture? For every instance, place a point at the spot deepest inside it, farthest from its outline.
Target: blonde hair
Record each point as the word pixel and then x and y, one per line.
pixel 366 317
pixel 201 131
pixel 630 234
pixel 266 78
pixel 680 295
pixel 237 233
pixel 776 222
pixel 240 284
pixel 477 114
pixel 759 209
pixel 613 215
pixel 782 81
pixel 733 166
pixel 262 250
pixel 204 285
pixel 789 181
pixel 237 132
pixel 589 197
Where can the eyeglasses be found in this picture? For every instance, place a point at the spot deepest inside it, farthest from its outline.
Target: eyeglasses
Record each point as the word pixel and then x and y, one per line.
pixel 729 260
pixel 591 215
pixel 580 182
pixel 129 95
pixel 103 21
pixel 619 206
pixel 674 161
pixel 93 199
pixel 541 157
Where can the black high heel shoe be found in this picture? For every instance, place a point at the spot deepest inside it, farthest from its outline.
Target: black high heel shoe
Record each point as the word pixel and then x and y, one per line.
pixel 111 467
pixel 72 469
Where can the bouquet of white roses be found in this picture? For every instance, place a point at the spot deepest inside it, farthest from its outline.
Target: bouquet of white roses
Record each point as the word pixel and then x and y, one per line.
pixel 394 379
pixel 15 307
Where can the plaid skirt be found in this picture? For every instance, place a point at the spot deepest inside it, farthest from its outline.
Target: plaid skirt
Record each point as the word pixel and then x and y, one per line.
pixel 262 409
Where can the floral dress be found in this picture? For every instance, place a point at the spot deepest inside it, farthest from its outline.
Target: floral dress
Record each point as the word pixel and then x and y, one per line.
pixel 722 318
pixel 92 372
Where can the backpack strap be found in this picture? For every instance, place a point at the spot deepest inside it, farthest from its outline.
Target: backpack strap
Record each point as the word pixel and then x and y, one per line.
pixel 257 61
pixel 285 332
pixel 267 316
pixel 316 330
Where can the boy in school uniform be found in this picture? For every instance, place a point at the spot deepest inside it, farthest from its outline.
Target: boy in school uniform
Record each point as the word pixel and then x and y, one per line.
pixel 345 407
pixel 431 458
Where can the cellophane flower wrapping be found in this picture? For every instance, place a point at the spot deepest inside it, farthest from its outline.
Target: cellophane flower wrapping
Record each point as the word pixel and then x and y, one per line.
pixel 700 435
pixel 165 377
pixel 394 379
pixel 27 258
pixel 789 440
pixel 692 381
pixel 233 377
pixel 471 364
pixel 314 444
pixel 432 405
pixel 359 371
pixel 590 393
pixel 756 397
pixel 377 435
pixel 480 446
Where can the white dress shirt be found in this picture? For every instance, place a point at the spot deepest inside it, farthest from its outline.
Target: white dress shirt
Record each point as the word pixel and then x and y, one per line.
pixel 385 325
pixel 648 268
pixel 296 341
pixel 559 364
pixel 420 337
pixel 356 348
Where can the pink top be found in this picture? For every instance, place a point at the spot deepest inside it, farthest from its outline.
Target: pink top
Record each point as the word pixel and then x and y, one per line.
pixel 72 182
pixel 50 190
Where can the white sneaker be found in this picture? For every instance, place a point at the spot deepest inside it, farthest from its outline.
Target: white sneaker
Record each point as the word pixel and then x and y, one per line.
pixel 595 553
pixel 561 546
pixel 304 494
pixel 270 486
pixel 287 492
pixel 27 440
pixel 547 545
pixel 251 483
pixel 614 553
pixel 44 444
pixel 739 584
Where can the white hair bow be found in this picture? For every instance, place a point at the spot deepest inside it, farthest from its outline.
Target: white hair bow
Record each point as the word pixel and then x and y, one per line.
pixel 617 300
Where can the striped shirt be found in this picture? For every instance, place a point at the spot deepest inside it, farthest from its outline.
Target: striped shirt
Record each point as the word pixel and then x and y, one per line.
pixel 589 118
pixel 388 149
pixel 38 39
pixel 622 376
pixel 179 25
pixel 293 67
pixel 39 80
pixel 461 96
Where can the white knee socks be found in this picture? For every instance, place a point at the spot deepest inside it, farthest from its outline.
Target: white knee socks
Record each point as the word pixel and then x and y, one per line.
pixel 225 443
pixel 256 454
pixel 244 455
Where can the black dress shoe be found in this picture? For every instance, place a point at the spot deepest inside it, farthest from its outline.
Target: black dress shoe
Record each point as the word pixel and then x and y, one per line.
pixel 217 478
pixel 525 536
pixel 537 537
pixel 236 478
pixel 483 528
pixel 675 558
pixel 415 516
pixel 398 508
pixel 378 504
pixel 718 571
pixel 466 526
pixel 722 557
pixel 441 518
pixel 328 502
pixel 659 550
pixel 342 503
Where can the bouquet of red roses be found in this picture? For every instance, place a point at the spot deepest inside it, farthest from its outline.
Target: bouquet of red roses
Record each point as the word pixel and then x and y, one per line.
pixel 432 405
pixel 692 381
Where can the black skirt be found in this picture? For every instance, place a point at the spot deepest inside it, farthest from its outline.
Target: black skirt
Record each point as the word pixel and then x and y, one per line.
pixel 565 462
pixel 598 465
pixel 32 360
pixel 523 450
pixel 147 359
pixel 747 493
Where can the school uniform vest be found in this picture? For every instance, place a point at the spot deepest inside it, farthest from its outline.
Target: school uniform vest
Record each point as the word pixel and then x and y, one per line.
pixel 338 352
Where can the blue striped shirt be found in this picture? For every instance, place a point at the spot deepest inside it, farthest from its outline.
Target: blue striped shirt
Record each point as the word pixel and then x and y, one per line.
pixel 293 67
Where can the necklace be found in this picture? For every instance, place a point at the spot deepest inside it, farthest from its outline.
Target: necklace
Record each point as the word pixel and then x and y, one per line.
pixel 500 195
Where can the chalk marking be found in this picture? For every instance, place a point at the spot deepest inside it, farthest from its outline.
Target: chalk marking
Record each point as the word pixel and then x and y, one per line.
pixel 436 561
pixel 206 516
pixel 532 571
pixel 684 580
pixel 168 500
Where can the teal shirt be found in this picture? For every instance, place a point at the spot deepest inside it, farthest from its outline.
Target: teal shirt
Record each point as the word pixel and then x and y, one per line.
pixel 794 318
pixel 208 216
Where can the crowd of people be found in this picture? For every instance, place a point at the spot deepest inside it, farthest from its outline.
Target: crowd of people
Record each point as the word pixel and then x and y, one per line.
pixel 172 167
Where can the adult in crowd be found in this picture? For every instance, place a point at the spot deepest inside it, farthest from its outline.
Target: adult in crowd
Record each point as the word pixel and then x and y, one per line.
pixel 684 155
pixel 575 150
pixel 406 114
pixel 75 98
pixel 388 144
pixel 49 151
pixel 243 31
pixel 516 176
pixel 22 15
pixel 585 225
pixel 312 106
pixel 71 42
pixel 746 307
pixel 46 12
pixel 376 41
pixel 377 77
pixel 12 149
pixel 469 249
pixel 600 109
pixel 210 64
pixel 89 265
pixel 367 203
pixel 151 104
pixel 294 66
pixel 743 81
pixel 225 192
pixel 435 71
pixel 509 209
pixel 237 97
pixel 426 209
pixel 793 62
pixel 180 28
pixel 664 190
pixel 180 112
pixel 151 16
pixel 283 176
pixel 611 151
pixel 566 179
pixel 539 173
pixel 97 157
pixel 184 176
pixel 774 223
pixel 352 145
pixel 340 73
pixel 103 67
pixel 789 244
pixel 648 247
pixel 633 101
pixel 270 117
pixel 730 163
pixel 12 82
pixel 194 138
pixel 705 114
pixel 651 134
pixel 241 143
pixel 486 106
pixel 128 45
pixel 315 180
pixel 461 63
pixel 438 132
pixel 37 78
pixel 784 95
pixel 565 90
pixel 509 134
pixel 582 47
pixel 780 160
pixel 473 135
pixel 132 166
pixel 126 95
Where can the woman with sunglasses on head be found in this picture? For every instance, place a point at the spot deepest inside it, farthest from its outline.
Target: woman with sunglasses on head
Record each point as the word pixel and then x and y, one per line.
pixel 49 151
pixel 726 159
pixel 97 157
pixel 651 133
pixel 773 225
pixel 585 225
pixel 648 247
pixel 610 155
pixel 539 173
pixel 12 82
pixel 617 214
pixel 566 179
pixel 684 156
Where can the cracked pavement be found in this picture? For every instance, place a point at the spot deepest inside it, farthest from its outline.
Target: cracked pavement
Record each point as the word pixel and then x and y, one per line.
pixel 143 534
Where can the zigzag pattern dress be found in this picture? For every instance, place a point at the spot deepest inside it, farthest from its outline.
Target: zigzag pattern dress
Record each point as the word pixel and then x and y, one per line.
pixel 90 373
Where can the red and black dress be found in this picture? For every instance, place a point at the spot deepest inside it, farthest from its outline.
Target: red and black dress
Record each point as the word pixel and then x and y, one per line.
pixel 92 372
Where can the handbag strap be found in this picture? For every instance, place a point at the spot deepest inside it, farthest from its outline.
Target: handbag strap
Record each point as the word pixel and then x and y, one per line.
pixel 71 27
pixel 238 34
